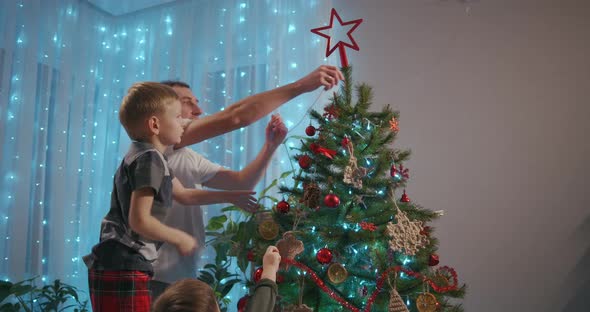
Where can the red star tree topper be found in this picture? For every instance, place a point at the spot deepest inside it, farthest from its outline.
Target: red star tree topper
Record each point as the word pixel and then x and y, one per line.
pixel 340 44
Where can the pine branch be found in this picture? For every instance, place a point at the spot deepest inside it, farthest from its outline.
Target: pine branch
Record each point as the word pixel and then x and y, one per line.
pixel 365 97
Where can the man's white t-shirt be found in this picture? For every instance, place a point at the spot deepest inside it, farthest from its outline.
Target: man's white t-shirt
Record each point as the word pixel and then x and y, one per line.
pixel 192 170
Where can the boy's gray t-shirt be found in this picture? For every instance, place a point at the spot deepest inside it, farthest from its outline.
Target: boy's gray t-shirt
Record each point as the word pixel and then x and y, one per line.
pixel 120 248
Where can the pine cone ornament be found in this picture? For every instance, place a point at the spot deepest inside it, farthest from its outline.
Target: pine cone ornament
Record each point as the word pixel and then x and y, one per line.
pixel 311 195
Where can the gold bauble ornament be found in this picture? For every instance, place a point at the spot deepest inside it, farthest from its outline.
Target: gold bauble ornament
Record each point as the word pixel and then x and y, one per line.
pixel 268 229
pixel 337 273
pixel 426 302
pixel 263 216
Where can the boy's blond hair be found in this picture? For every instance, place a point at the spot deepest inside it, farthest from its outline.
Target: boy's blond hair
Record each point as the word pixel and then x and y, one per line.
pixel 143 100
pixel 187 295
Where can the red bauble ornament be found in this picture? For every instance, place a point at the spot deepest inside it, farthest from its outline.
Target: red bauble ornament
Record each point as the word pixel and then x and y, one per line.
pixel 250 255
pixel 310 130
pixel 283 206
pixel 345 141
pixel 395 173
pixel 324 256
pixel 257 274
pixel 304 161
pixel 243 303
pixel 405 198
pixel 433 260
pixel 331 200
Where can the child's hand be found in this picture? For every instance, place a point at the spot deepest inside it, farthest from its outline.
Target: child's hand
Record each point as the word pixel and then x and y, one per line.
pixel 270 263
pixel 186 244
pixel 243 199
pixel 276 131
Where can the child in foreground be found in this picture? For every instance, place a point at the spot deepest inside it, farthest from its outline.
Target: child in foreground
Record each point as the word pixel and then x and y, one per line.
pixel 192 295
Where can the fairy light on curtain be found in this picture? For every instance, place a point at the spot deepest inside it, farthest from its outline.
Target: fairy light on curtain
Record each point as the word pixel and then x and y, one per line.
pixel 64 68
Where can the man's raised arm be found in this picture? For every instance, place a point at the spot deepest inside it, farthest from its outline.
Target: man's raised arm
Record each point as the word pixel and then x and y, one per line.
pixel 254 107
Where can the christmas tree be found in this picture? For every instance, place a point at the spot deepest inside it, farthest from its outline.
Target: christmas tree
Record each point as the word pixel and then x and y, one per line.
pixel 347 241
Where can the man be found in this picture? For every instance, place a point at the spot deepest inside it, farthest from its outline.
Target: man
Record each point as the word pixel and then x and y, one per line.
pixel 193 170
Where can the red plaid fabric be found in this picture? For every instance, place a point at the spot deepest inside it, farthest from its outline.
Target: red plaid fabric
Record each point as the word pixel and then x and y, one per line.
pixel 119 291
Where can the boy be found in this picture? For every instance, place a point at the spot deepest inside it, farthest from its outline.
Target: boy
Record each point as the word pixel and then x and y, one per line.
pixel 194 170
pixel 191 295
pixel 120 265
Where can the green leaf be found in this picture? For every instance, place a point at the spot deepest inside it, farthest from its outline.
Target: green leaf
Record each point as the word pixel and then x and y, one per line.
pixel 72 292
pixel 10 307
pixel 231 208
pixel 4 290
pixel 216 223
pixel 243 263
pixel 67 307
pixel 231 228
pixel 274 182
pixel 221 252
pixel 207 277
pixel 214 226
pixel 22 289
pixel 221 218
pixel 286 174
pixel 227 286
pixel 245 231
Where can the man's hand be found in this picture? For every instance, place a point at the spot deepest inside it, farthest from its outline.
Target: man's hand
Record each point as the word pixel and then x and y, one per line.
pixel 325 75
pixel 276 131
pixel 243 199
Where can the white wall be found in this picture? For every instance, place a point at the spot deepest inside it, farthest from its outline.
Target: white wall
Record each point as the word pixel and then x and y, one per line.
pixel 493 97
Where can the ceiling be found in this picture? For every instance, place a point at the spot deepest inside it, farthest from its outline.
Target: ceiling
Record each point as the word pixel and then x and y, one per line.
pixel 121 7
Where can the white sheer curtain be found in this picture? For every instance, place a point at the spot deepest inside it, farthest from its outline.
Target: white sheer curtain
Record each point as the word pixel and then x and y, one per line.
pixel 64 67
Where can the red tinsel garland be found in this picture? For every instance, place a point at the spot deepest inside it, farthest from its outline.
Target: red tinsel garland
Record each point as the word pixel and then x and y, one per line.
pixel 320 283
